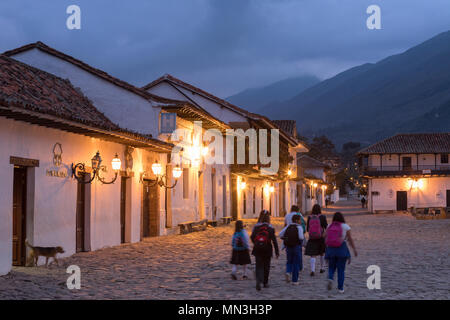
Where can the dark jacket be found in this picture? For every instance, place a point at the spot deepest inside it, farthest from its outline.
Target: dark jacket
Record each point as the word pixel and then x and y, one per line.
pixel 268 250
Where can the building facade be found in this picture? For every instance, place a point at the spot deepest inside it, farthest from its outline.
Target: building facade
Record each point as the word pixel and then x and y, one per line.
pixel 250 189
pixel 46 128
pixel 407 171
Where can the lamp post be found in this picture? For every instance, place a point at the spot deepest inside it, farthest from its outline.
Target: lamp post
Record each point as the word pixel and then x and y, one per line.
pixel 79 170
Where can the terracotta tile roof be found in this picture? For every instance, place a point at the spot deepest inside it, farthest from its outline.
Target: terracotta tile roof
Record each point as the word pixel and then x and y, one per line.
pixel 38 94
pixel 288 126
pixel 411 143
pixel 100 73
pixel 245 113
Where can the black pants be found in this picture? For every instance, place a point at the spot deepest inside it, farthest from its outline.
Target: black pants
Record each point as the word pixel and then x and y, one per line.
pixel 262 268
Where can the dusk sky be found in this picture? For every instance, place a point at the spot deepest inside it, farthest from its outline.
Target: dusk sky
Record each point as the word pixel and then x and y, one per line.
pixel 223 46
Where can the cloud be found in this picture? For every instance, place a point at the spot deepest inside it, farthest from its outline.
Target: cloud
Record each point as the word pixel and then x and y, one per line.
pixel 224 46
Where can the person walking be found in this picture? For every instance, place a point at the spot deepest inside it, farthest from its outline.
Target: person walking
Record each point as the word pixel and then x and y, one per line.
pixel 295 210
pixel 337 252
pixel 240 254
pixel 315 247
pixel 263 236
pixel 292 236
pixel 363 202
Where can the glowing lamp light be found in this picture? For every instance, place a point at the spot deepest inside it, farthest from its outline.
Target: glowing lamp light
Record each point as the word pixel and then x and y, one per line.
pixel 315 185
pixel 116 163
pixel 156 168
pixel 176 172
pixel 289 172
pixel 243 185
pixel 205 151
pixel 272 189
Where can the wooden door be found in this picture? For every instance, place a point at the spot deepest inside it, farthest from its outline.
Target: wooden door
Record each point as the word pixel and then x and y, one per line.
pixel 448 198
pixel 406 163
pixel 213 196
pixel 150 214
pixel 201 199
pixel 234 198
pixel 224 196
pixel 19 215
pixel 402 201
pixel 81 217
pixel 123 207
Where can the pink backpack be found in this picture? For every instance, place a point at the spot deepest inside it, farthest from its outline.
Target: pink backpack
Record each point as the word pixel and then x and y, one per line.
pixel 315 228
pixel 334 235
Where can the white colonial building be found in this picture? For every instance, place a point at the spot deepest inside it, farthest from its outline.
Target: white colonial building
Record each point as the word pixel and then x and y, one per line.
pixel 47 127
pixel 250 190
pixel 408 171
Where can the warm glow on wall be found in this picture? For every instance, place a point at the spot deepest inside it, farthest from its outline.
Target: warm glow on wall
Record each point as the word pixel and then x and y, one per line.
pixel 415 184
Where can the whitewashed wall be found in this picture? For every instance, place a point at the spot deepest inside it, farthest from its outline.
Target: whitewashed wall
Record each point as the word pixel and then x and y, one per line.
pixel 121 106
pixel 55 198
pixel 432 193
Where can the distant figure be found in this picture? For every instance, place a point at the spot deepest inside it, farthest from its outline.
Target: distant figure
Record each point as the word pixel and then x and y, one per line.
pixel 327 201
pixel 263 236
pixel 363 201
pixel 240 254
pixel 337 253
pixel 316 226
pixel 292 236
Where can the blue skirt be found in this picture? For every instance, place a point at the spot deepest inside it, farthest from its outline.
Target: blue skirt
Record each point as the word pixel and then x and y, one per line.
pixel 341 252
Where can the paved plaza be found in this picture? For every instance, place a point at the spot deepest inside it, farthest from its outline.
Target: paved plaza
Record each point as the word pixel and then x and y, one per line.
pixel 413 256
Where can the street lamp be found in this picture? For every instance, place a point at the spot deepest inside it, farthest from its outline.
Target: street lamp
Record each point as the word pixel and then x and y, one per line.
pixel 79 170
pixel 161 179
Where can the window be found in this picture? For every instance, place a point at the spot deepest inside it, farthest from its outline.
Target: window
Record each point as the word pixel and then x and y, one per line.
pixel 185 183
pixel 444 158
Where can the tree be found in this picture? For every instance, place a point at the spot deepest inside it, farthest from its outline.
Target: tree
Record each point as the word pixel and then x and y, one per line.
pixel 322 148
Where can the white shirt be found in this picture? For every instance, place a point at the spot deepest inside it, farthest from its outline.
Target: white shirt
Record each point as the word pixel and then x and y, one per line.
pixel 288 217
pixel 345 227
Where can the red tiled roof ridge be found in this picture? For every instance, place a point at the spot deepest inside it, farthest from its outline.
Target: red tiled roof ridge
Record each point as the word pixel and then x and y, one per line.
pixel 79 101
pixel 100 73
pixel 425 143
pixel 225 103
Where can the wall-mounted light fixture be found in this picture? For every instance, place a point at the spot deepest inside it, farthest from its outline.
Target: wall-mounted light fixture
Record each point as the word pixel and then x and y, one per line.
pixel 161 179
pixel 289 172
pixel 79 170
pixel 415 183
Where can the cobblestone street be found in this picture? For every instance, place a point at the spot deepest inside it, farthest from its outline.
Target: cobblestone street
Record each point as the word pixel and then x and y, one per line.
pixel 413 256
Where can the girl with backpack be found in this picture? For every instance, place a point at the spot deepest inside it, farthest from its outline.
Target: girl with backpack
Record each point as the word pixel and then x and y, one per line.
pixel 337 253
pixel 263 236
pixel 315 247
pixel 240 254
pixel 292 236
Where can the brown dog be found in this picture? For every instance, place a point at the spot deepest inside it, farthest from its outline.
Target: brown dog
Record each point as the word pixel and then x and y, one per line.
pixel 47 252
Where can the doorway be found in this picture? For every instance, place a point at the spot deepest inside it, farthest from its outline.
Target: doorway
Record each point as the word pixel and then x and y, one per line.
pixel 19 215
pixel 123 208
pixel 234 198
pixel 407 163
pixel 150 215
pixel 224 196
pixel 402 201
pixel 213 195
pixel 448 198
pixel 201 196
pixel 81 217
